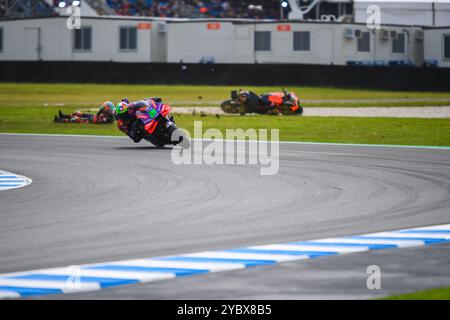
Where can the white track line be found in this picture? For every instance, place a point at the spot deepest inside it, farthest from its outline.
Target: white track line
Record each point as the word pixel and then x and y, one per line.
pixel 280 142
pixel 210 266
pixel 398 243
pixel 244 256
pixel 316 248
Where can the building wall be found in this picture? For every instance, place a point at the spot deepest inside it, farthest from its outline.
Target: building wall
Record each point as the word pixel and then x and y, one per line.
pixel 321 42
pixel 434 46
pixel 442 14
pixel 56 40
pixel 406 12
pixel 159 41
pixel 402 12
pixel 192 41
pixel 380 49
pixel 234 43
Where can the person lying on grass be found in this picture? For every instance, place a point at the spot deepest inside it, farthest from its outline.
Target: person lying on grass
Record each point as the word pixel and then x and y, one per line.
pixel 273 103
pixel 104 115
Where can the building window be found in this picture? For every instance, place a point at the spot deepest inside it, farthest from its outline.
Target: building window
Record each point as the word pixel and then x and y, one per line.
pixel 1 39
pixel 301 41
pixel 82 39
pixel 128 38
pixel 262 40
pixel 446 43
pixel 398 44
pixel 364 42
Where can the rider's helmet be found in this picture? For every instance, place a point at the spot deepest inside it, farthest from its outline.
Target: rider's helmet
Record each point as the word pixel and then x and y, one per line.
pixel 121 111
pixel 108 107
pixel 242 95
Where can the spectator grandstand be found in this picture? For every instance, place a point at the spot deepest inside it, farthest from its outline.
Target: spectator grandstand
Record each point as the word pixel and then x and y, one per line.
pixel 29 8
pixel 250 9
pixel 254 9
pixel 197 8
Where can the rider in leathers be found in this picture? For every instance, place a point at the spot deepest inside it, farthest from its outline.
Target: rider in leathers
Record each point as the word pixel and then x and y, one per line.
pixel 127 122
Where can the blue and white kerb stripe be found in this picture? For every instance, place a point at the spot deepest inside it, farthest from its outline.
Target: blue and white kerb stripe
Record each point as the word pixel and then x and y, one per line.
pixel 102 275
pixel 10 180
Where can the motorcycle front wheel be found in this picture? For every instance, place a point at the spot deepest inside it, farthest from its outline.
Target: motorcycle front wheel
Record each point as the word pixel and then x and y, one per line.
pixel 169 133
pixel 178 137
pixel 286 110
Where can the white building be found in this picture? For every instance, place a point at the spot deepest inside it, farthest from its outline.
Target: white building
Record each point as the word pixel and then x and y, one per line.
pixel 291 42
pixel 99 39
pixel 128 39
pixel 437 46
pixel 433 13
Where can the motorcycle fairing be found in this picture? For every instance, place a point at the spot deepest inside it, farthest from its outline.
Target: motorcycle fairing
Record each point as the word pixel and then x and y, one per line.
pixel 149 114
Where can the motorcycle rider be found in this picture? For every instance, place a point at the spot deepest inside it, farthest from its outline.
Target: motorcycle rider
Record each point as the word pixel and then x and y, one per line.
pixel 255 103
pixel 249 99
pixel 127 120
pixel 104 115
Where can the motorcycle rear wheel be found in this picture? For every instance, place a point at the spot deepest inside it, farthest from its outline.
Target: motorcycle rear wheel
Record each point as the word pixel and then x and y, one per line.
pixel 231 106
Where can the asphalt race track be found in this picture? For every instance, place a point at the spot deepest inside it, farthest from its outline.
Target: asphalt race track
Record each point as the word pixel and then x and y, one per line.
pixel 97 199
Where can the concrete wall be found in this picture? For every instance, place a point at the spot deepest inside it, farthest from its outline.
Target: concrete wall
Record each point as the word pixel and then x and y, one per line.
pixel 236 75
pixel 434 45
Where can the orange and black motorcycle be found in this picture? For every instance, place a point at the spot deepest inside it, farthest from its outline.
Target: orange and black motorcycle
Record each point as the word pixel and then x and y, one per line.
pixel 275 103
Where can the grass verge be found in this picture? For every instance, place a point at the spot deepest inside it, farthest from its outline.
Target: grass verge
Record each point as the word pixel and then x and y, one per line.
pixel 433 294
pixel 404 131
pixel 14 94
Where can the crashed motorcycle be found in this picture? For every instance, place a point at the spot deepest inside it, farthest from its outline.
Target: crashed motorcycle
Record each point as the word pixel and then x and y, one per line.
pixel 286 103
pixel 157 127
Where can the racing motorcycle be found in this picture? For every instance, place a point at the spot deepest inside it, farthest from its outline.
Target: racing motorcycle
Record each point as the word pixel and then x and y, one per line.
pixel 286 103
pixel 157 127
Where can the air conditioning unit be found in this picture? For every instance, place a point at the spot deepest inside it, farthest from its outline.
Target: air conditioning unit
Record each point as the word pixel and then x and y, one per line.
pixel 393 34
pixel 419 35
pixel 349 33
pixel 384 34
pixel 162 27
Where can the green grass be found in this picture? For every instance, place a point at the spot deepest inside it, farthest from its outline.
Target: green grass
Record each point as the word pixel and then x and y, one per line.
pixel 391 103
pixel 433 294
pixel 14 94
pixel 405 131
pixel 29 108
